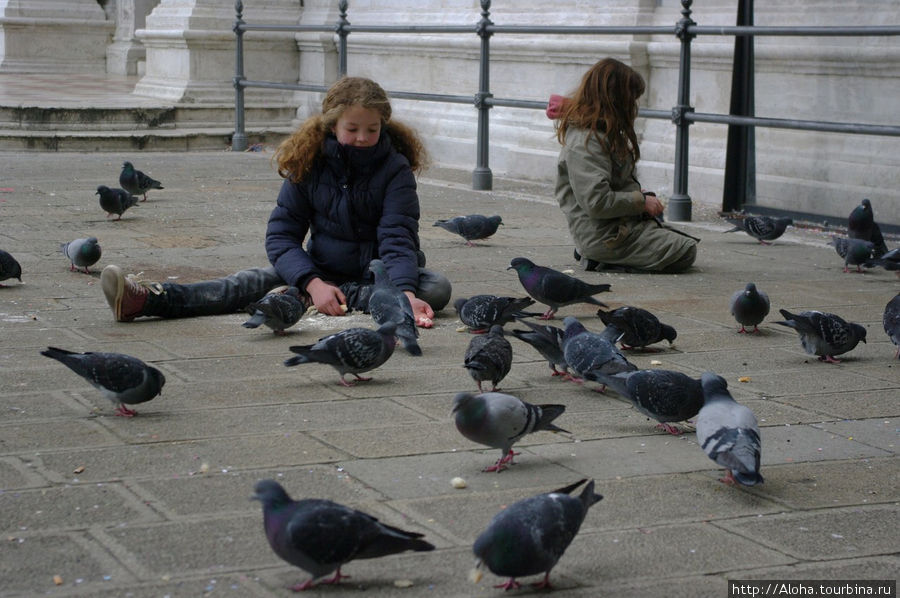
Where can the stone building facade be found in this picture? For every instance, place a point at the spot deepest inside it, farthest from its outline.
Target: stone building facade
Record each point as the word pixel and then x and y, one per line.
pixel 183 51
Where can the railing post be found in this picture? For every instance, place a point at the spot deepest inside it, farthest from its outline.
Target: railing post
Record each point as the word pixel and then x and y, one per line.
pixel 482 179
pixel 680 202
pixel 239 139
pixel 740 153
pixel 342 30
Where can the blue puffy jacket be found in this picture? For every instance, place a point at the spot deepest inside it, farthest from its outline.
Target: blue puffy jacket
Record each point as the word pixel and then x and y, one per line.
pixel 357 204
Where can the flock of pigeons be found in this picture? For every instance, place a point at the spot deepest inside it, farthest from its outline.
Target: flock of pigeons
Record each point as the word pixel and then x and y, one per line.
pixel 530 536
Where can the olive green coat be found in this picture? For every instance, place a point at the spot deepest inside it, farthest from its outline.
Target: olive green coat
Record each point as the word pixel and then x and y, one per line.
pixel 604 207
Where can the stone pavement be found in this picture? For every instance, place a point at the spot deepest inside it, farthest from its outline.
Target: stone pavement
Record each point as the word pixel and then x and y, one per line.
pixel 103 506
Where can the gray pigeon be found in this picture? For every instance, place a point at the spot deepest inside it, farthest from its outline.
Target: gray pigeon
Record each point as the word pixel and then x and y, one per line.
pixel 761 228
pixel 277 310
pixel 554 288
pixel 387 303
pixel 489 357
pixel 749 307
pixel 664 395
pixel 115 201
pixel 350 351
pixel 123 379
pixel 530 536
pixel 891 321
pixel 320 536
pixel 480 312
pixel 546 340
pixel 861 225
pixel 888 261
pixel 639 327
pixel 824 334
pixel 500 420
pixel 590 354
pixel 82 253
pixel 728 432
pixel 136 182
pixel 9 267
pixel 854 251
pixel 472 227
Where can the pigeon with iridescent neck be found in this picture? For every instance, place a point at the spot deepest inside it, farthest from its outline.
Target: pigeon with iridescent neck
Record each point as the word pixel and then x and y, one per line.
pixel 554 288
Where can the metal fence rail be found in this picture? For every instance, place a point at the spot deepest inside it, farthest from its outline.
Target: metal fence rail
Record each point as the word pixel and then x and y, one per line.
pixel 682 114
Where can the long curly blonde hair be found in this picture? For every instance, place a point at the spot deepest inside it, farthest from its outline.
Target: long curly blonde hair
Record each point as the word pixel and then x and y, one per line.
pixel 605 103
pixel 297 154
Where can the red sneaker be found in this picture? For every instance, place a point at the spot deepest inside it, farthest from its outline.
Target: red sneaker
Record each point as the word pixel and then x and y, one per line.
pixel 126 295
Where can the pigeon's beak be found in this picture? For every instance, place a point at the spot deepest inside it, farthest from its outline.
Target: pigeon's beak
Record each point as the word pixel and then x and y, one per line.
pixel 475 573
pixel 255 497
pixel 509 267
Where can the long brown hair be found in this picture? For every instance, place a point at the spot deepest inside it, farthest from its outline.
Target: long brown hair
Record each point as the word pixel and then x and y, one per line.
pixel 605 103
pixel 297 154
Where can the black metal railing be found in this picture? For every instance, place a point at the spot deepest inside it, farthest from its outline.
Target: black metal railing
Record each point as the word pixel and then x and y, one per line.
pixel 682 114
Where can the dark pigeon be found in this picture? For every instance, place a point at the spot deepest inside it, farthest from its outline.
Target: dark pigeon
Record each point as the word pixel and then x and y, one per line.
pixel 891 322
pixel 276 310
pixel 639 327
pixel 387 303
pixel 472 227
pixel 530 536
pixel 115 201
pixel 590 354
pixel 728 433
pixel 546 340
pixel 888 261
pixel 861 225
pixel 82 253
pixel 824 334
pixel 489 357
pixel 749 307
pixel 761 228
pixel 855 252
pixel 500 420
pixel 480 312
pixel 320 536
pixel 136 182
pixel 553 288
pixel 123 379
pixel 350 351
pixel 9 267
pixel 664 395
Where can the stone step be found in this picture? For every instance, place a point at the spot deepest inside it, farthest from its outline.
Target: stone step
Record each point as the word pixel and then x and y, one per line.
pixel 172 139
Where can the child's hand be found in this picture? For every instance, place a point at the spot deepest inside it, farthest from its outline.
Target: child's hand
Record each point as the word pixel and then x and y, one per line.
pixel 327 298
pixel 651 204
pixel 422 312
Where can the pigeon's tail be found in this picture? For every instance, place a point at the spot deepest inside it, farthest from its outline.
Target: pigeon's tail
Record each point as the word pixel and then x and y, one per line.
pixel 474 364
pixel 593 289
pixel 393 540
pixel 593 301
pixel 304 354
pixel 748 479
pixel 589 497
pixel 411 345
pixel 256 320
pixel 618 382
pixel 549 413
pixel 568 489
pixel 736 224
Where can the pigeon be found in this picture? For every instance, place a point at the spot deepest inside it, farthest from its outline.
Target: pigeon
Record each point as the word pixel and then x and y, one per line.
pixel 82 253
pixel 854 251
pixel 639 327
pixel 824 334
pixel 9 267
pixel 891 322
pixel 546 340
pixel 387 303
pixel 471 228
pixel 728 432
pixel 749 307
pixel 136 182
pixel 500 420
pixel 554 288
pixel 761 228
pixel 278 310
pixel 664 395
pixel 589 354
pixel 529 536
pixel 888 261
pixel 115 201
pixel 353 351
pixel 489 357
pixel 123 379
pixel 321 536
pixel 480 312
pixel 861 225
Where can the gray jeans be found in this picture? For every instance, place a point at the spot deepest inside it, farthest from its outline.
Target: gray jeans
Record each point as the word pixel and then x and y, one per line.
pixel 233 293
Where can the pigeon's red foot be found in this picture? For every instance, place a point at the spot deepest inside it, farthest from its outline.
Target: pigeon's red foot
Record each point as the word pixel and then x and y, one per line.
pixel 302 586
pixel 670 429
pixel 124 411
pixel 544 584
pixel 829 359
pixel 729 478
pixel 547 315
pixel 338 576
pixel 512 584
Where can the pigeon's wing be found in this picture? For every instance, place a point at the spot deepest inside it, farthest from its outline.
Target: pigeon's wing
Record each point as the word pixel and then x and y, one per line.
pixel 759 226
pixel 327 532
pixel 665 395
pixel 115 372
